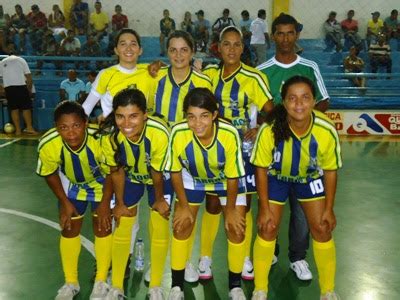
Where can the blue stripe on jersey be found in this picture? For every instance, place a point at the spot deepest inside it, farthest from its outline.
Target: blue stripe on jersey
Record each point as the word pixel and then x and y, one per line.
pixel 246 108
pixel 174 102
pixel 296 149
pixel 77 167
pixel 123 158
pixel 160 93
pixel 191 86
pixel 62 167
pixel 136 153
pixel 312 149
pixel 72 191
pixel 221 158
pixel 90 194
pixel 277 165
pixel 147 146
pixel 192 160
pixel 218 95
pixel 206 164
pixel 234 97
pixel 94 166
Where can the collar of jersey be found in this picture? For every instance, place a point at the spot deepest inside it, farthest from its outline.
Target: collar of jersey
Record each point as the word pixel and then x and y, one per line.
pixel 215 128
pixel 140 138
pixel 232 75
pixel 81 147
pixel 287 66
pixel 125 70
pixel 294 135
pixel 171 77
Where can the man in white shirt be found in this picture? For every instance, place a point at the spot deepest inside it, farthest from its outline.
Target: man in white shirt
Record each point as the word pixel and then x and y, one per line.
pixel 17 81
pixel 259 37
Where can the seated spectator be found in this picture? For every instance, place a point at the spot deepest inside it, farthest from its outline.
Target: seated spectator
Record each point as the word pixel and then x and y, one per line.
pixel 375 28
pixel 354 64
pixel 333 31
pixel 379 55
pixel 99 21
pixel 37 28
pixel 19 25
pixel 392 25
pixel 72 88
pixel 79 17
pixel 350 29
pixel 119 20
pixel 187 23
pixel 91 49
pixel 70 46
pixel 167 25
pixel 57 22
pixel 214 47
pixel 259 37
pixel 4 22
pixel 244 24
pixel 50 48
pixel 222 22
pixel 201 32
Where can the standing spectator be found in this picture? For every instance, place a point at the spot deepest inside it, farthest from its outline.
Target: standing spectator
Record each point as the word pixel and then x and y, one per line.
pixel 17 82
pixel 375 27
pixel 19 25
pixel 201 32
pixel 259 37
pixel 91 49
pixel 333 31
pixel 57 22
pixel 72 88
pixel 392 25
pixel 350 29
pixel 167 25
pixel 99 21
pixel 244 24
pixel 37 28
pixel 379 55
pixel 79 17
pixel 354 64
pixel 187 23
pixel 222 22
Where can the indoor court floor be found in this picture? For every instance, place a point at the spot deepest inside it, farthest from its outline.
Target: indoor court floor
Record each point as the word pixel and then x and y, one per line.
pixel 367 237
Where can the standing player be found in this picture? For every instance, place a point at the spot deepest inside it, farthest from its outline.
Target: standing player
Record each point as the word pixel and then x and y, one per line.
pixel 236 87
pixel 297 149
pixel 136 152
pixel 285 64
pixel 72 148
pixel 204 156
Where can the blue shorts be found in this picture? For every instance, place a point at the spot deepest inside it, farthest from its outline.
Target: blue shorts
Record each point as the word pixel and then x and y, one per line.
pixel 278 190
pixel 81 206
pixel 250 177
pixel 134 192
pixel 197 197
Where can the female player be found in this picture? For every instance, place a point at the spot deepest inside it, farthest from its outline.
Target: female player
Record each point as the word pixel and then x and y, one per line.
pixel 297 149
pixel 135 150
pixel 72 148
pixel 204 156
pixel 237 87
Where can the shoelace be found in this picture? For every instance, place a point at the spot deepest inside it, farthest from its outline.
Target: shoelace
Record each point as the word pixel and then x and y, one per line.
pixel 303 265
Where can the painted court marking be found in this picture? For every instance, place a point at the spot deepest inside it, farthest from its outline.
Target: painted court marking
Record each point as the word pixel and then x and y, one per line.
pixel 84 241
pixel 9 143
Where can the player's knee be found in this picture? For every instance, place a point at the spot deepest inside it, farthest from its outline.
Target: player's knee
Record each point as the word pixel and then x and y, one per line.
pixel 320 232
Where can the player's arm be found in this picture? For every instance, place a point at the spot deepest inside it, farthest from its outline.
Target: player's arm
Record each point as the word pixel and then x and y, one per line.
pixel 265 217
pixel 160 205
pixel 330 182
pixel 182 212
pixel 67 210
pixel 90 102
pixel 29 82
pixel 103 210
pixel 233 219
pixel 118 184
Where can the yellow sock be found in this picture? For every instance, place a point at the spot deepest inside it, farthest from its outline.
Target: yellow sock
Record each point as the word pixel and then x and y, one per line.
pixel 102 248
pixel 192 237
pixel 209 230
pixel 70 249
pixel 235 256
pixel 262 257
pixel 120 250
pixel 249 233
pixel 158 247
pixel 179 250
pixel 325 259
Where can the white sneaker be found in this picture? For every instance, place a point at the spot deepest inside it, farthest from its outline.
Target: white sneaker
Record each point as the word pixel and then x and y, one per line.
pixel 274 260
pixel 330 296
pixel 156 293
pixel 237 294
pixel 67 292
pixel 205 272
pixel 259 295
pixel 115 294
pixel 248 269
pixel 147 274
pixel 176 294
pixel 191 274
pixel 100 290
pixel 301 269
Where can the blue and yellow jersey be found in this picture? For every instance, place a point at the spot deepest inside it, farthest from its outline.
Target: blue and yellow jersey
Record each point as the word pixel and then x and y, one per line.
pixel 205 168
pixel 139 157
pixel 168 95
pixel 235 93
pixel 114 79
pixel 299 159
pixel 82 167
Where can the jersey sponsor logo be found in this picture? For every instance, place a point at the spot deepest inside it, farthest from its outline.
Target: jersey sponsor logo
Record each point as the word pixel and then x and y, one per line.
pixel 208 180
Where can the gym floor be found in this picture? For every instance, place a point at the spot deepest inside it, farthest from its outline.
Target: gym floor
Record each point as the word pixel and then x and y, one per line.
pixel 368 244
